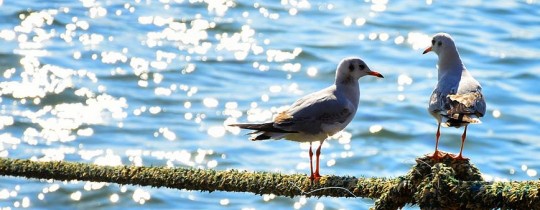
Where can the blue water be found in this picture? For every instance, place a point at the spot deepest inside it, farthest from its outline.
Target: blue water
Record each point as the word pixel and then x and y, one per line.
pixel 155 83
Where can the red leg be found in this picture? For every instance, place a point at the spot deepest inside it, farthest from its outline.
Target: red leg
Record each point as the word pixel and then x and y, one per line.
pixel 436 154
pixel 317 154
pixel 311 177
pixel 460 156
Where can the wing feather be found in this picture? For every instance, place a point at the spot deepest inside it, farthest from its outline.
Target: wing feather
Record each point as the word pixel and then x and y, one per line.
pixel 309 113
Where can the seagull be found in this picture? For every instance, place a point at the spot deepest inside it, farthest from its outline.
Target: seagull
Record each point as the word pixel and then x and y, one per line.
pixel 318 115
pixel 457 99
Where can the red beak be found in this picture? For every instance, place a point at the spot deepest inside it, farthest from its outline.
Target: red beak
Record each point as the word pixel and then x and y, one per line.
pixel 377 74
pixel 427 50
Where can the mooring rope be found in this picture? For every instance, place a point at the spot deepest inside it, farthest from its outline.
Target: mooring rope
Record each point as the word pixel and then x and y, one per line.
pixel 430 184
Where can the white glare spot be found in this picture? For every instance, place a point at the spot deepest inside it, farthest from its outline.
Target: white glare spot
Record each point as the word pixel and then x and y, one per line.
pixel 268 197
pixel 77 55
pixel 216 131
pixel 496 113
pixel 168 134
pixel 399 40
pixel 384 36
pixel 347 21
pixel 360 21
pixel 361 36
pixel 4 194
pixel 531 172
pixel 25 202
pixel 293 11
pixel 331 162
pixel 404 79
pixel 372 36
pixel 141 196
pixel 275 89
pixel 231 105
pixel 265 97
pixel 302 200
pixel 154 110
pixel 114 198
pixel 212 164
pixel 224 202
pixel 375 128
pixel 85 132
pixel 378 7
pixel 210 102
pixel 319 206
pixel 312 71
pixel 401 97
pixel 76 196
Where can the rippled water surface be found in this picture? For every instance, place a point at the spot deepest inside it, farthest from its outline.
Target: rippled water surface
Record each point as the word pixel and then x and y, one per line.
pixel 155 83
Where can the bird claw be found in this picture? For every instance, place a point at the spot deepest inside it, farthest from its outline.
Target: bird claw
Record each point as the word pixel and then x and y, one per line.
pixel 437 155
pixel 315 177
pixel 458 157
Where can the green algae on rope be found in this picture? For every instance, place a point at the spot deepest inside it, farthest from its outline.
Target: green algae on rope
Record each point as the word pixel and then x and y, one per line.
pixel 430 184
pixel 197 179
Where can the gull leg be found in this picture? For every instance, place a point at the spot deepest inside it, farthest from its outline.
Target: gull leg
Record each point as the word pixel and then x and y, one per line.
pixel 311 177
pixel 436 154
pixel 460 156
pixel 317 154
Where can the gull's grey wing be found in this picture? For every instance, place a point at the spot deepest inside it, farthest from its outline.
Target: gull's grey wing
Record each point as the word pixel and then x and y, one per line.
pixel 468 99
pixel 437 102
pixel 310 112
pixel 468 103
pixel 460 108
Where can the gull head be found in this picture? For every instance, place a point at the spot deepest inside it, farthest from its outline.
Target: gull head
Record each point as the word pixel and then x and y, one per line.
pixel 353 68
pixel 441 44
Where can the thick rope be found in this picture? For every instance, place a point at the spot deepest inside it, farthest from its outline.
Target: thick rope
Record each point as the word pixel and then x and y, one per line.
pixel 430 184
pixel 198 179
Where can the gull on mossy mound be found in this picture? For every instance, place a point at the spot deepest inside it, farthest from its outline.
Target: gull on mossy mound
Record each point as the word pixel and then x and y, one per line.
pixel 457 99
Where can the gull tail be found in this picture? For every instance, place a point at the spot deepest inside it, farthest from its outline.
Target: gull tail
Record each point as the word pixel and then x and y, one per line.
pixel 458 120
pixel 264 131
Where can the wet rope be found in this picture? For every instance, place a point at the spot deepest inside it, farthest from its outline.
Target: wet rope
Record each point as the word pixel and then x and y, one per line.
pixel 442 184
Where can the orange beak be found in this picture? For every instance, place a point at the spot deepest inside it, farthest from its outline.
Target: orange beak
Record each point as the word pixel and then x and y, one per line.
pixel 427 50
pixel 377 74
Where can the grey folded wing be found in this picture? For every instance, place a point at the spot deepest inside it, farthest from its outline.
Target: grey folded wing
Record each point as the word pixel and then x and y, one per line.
pixel 471 103
pixel 458 109
pixel 308 114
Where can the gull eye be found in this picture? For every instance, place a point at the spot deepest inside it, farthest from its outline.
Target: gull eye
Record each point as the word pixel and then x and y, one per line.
pixel 351 67
pixel 439 43
pixel 433 42
pixel 362 66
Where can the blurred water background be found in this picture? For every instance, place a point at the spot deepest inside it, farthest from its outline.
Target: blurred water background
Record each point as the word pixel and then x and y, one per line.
pixel 155 82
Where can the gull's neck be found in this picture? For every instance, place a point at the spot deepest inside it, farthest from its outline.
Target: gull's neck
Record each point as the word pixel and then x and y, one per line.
pixel 450 65
pixel 349 87
pixel 345 80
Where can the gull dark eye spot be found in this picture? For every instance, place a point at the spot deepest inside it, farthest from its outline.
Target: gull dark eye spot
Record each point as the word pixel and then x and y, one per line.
pixel 362 66
pixel 439 43
pixel 351 67
pixel 433 42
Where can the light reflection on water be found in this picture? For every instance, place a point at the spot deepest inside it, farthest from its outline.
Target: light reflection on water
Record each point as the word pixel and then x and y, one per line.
pixel 155 83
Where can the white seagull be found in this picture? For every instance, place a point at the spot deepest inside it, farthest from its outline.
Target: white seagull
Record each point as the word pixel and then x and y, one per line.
pixel 457 99
pixel 318 115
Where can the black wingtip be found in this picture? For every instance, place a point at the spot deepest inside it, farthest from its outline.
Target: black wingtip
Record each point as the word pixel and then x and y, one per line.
pixel 261 137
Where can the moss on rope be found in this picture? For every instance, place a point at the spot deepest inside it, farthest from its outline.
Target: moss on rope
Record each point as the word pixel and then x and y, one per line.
pixel 197 179
pixel 442 184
